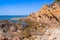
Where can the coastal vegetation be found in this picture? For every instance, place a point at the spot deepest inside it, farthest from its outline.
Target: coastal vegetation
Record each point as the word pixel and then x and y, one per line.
pixel 57 0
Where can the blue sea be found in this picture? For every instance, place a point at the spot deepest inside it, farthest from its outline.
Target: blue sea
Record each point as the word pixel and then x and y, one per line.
pixel 9 17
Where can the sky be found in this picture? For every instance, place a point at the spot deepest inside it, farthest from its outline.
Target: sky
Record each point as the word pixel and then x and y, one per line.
pixel 21 7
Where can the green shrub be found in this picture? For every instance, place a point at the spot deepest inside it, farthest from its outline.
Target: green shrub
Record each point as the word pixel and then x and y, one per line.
pixel 57 0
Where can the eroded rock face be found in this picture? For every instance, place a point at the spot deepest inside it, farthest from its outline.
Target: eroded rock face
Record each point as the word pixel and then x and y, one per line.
pixel 44 24
pixel 48 12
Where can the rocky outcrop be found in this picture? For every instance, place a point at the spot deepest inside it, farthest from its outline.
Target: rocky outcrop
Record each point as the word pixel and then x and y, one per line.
pixel 49 11
pixel 10 30
pixel 44 24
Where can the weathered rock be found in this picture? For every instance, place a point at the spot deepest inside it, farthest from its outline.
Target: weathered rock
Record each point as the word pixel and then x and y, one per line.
pixel 44 24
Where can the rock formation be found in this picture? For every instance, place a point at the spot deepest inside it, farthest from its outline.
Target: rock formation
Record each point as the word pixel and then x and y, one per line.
pixel 42 25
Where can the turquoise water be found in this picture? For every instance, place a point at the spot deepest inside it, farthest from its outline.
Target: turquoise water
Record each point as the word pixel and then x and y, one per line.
pixel 9 17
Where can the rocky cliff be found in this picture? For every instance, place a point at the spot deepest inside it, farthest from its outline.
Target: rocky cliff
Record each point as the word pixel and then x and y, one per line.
pixel 45 24
pixel 48 11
